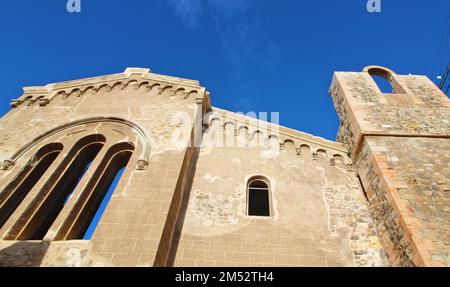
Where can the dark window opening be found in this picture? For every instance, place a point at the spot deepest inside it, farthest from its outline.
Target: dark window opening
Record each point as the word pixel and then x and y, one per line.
pixel 64 188
pixel 258 198
pixel 47 205
pixel 16 191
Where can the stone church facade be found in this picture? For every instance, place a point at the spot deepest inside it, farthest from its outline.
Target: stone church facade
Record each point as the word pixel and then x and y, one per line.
pixel 201 186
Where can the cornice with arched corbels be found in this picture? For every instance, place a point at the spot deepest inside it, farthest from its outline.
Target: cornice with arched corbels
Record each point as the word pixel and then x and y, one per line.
pixel 300 146
pixel 132 78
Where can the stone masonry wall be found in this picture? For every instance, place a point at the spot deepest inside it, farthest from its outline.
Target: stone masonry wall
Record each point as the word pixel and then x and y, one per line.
pixel 399 143
pixel 319 213
pixel 408 182
pixel 130 229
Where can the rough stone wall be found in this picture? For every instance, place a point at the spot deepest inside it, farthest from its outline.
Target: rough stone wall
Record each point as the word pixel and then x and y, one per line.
pixel 319 213
pixel 399 143
pixel 130 229
pixel 408 189
pixel 363 109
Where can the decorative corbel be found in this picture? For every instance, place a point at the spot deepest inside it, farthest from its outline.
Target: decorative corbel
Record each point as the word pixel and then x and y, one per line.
pixel 315 155
pixel 142 164
pixel 44 102
pixel 299 151
pixel 15 102
pixel 7 164
pixel 350 167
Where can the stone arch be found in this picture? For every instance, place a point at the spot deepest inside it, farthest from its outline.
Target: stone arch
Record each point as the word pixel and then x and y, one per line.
pixel 21 184
pixel 144 86
pixel 215 122
pixel 28 99
pixel 154 87
pixel 180 92
pixel 243 130
pixel 384 79
pixel 322 154
pixel 191 93
pixel 289 146
pixel 228 124
pixel 45 211
pixel 258 136
pixel 143 137
pixel 304 150
pixel 75 92
pixel 132 84
pixel 37 218
pixel 36 99
pixel 165 90
pixel 105 88
pixel 90 90
pixel 80 217
pixel 117 86
pixel 338 159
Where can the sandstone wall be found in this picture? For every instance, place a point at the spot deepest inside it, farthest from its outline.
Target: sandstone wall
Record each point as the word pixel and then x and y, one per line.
pixel 129 232
pixel 319 213
pixel 399 143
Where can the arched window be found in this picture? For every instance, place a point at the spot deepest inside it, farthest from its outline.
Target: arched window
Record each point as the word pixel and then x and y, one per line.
pixel 51 199
pixel 382 78
pixel 89 168
pixel 14 193
pixel 83 219
pixel 258 197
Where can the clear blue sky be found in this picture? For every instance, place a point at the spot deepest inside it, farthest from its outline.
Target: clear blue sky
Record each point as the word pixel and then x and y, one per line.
pixel 252 55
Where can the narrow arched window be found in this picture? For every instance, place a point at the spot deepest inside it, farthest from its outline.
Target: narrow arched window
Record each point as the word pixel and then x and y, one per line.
pixel 258 197
pixel 47 205
pixel 15 192
pixel 383 79
pixel 86 214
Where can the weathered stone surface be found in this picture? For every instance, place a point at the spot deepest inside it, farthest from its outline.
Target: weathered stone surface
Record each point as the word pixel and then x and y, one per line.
pixel 186 205
pixel 400 144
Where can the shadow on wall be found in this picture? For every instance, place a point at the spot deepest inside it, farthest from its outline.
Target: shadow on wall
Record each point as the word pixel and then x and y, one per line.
pixel 23 254
pixel 182 213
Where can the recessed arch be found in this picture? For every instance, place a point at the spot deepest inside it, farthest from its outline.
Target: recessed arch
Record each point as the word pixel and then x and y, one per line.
pixel 48 203
pixel 384 79
pixel 19 187
pixel 259 197
pixel 143 136
pixel 82 216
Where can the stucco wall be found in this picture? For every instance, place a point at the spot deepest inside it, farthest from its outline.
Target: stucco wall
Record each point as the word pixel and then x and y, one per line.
pixel 319 213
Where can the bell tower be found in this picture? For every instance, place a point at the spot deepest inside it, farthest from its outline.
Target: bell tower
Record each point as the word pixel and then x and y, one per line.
pixel 399 143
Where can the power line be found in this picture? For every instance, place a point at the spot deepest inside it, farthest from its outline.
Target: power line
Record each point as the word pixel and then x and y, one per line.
pixel 442 48
pixel 445 81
